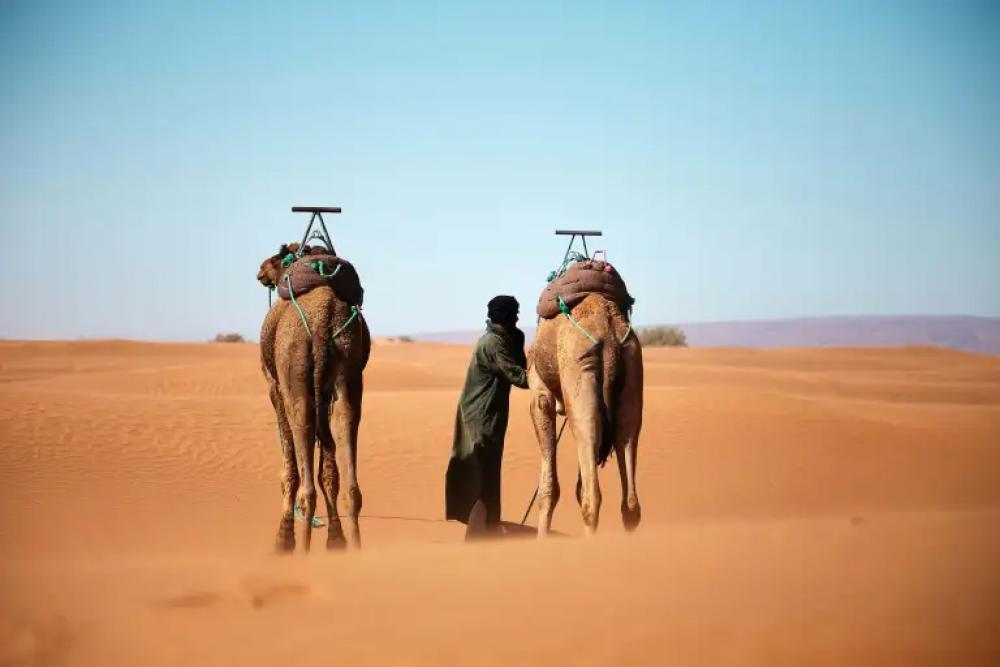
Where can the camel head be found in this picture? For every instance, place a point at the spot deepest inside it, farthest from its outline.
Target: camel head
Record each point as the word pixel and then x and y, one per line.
pixel 271 269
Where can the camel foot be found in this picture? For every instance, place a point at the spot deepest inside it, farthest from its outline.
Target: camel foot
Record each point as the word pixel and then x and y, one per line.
pixel 335 538
pixel 590 520
pixel 336 542
pixel 631 518
pixel 284 543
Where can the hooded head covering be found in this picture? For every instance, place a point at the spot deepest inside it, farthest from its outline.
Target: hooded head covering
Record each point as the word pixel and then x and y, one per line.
pixel 503 310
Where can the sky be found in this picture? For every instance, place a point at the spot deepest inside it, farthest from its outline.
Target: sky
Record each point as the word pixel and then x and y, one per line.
pixel 744 160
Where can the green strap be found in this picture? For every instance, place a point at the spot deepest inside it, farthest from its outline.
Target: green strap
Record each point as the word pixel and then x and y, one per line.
pixel 316 522
pixel 355 311
pixel 571 256
pixel 319 266
pixel 628 332
pixel 565 311
pixel 354 315
pixel 291 293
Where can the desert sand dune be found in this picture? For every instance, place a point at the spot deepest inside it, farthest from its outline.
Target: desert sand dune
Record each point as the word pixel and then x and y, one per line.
pixel 800 506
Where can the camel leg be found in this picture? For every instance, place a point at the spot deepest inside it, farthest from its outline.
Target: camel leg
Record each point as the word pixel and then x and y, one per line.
pixel 329 478
pixel 626 455
pixel 285 540
pixel 543 416
pixel 346 413
pixel 585 418
pixel 299 409
pixel 628 423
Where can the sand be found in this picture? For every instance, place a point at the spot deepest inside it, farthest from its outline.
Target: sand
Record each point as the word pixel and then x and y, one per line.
pixel 800 506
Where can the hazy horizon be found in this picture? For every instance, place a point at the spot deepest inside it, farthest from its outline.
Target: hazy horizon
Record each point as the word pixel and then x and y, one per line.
pixel 745 162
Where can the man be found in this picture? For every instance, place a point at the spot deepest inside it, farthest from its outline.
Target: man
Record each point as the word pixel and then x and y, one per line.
pixel 472 485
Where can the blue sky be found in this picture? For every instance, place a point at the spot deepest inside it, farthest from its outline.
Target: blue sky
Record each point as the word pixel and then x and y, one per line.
pixel 748 160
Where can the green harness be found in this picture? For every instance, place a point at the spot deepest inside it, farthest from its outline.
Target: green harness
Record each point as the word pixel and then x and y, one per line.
pixel 319 266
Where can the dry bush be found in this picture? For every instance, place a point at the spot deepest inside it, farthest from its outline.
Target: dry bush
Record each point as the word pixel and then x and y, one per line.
pixel 662 336
pixel 229 338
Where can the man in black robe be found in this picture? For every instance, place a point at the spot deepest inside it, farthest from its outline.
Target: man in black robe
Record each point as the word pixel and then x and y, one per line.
pixel 472 484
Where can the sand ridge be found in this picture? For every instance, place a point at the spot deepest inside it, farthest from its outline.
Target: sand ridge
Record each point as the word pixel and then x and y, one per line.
pixel 826 506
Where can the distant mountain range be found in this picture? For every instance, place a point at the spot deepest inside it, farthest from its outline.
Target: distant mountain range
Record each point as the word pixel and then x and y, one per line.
pixel 960 332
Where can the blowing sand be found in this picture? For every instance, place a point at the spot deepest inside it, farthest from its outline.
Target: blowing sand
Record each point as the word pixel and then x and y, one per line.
pixel 799 507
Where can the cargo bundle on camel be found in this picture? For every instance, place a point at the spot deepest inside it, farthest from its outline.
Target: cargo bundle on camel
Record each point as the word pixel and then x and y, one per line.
pixel 317 267
pixel 587 358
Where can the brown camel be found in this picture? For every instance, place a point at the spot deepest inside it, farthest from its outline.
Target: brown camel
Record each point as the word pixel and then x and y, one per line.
pixel 314 380
pixel 600 385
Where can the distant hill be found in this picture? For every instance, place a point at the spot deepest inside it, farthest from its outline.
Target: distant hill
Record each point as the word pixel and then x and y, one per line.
pixel 959 332
pixel 973 334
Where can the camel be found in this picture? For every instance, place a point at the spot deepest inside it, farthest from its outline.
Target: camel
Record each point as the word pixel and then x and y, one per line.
pixel 600 386
pixel 315 387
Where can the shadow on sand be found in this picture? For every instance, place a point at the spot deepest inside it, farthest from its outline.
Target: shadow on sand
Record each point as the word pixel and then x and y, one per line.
pixel 515 531
pixel 508 529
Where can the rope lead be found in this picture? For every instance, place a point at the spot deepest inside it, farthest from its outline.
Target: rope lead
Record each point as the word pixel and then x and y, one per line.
pixel 320 265
pixel 291 293
pixel 354 315
pixel 565 311
pixel 316 521
pixel 628 332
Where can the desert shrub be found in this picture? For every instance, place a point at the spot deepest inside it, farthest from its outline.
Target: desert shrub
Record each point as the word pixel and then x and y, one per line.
pixel 662 336
pixel 405 339
pixel 228 338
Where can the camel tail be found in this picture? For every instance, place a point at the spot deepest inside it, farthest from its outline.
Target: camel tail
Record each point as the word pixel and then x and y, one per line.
pixel 611 377
pixel 320 354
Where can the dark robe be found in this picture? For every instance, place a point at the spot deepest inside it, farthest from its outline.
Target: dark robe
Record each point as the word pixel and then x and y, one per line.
pixel 481 423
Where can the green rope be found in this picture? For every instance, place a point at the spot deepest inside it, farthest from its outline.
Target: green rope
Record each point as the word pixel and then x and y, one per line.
pixel 316 521
pixel 319 265
pixel 628 332
pixel 354 316
pixel 571 256
pixel 565 311
pixel 355 311
pixel 291 294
